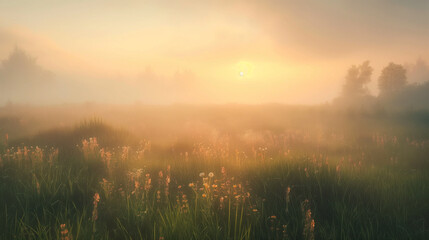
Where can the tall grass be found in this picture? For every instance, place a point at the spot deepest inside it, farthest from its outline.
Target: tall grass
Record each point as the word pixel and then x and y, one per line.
pixel 218 190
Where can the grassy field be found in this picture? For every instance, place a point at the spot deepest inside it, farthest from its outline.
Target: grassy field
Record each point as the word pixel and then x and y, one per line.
pixel 248 176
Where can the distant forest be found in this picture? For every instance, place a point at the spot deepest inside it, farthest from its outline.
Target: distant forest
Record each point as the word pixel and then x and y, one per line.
pixel 400 87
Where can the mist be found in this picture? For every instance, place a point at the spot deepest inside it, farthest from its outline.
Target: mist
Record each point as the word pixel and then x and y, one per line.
pixel 244 119
pixel 24 81
pixel 200 53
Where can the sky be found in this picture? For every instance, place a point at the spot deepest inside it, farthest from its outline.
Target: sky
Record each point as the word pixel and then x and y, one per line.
pixel 162 52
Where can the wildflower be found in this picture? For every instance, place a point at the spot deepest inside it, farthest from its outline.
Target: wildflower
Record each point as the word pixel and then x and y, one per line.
pixel 95 203
pixel 125 153
pixel 166 188
pixel 96 198
pixel 272 223
pixel 107 187
pixel 309 224
pixel 285 236
pixel 185 205
pixel 287 199
pixel 136 187
pixel 221 200
pixel 64 232
pixel 202 174
pixel 148 183
pixel 211 174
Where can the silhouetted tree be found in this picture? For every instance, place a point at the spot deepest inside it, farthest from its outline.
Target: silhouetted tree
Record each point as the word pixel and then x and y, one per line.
pixel 355 93
pixel 417 72
pixel 356 79
pixel 392 78
pixel 22 78
pixel 22 69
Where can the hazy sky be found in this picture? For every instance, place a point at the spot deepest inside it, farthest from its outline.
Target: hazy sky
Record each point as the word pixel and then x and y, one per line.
pixel 212 51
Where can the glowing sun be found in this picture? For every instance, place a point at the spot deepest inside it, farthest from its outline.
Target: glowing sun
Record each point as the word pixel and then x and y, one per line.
pixel 244 69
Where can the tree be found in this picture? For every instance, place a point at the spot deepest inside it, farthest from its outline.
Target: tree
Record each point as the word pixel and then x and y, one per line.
pixel 22 78
pixel 21 68
pixel 417 72
pixel 356 79
pixel 392 78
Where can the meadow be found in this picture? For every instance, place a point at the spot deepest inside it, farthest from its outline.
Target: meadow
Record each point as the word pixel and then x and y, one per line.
pixel 213 172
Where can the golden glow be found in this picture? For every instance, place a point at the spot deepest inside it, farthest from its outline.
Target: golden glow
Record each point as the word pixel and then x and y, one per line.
pixel 201 52
pixel 244 69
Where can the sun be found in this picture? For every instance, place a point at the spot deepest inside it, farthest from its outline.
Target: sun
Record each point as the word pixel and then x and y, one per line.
pixel 244 69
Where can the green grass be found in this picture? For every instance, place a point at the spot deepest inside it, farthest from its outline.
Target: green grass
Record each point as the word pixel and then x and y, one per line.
pixel 365 183
pixel 371 201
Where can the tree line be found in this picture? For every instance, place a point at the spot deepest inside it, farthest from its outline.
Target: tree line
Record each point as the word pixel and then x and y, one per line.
pixel 394 89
